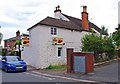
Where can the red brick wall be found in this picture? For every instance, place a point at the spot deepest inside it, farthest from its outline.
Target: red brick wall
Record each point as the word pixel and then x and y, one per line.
pixel 89 60
pixel 11 43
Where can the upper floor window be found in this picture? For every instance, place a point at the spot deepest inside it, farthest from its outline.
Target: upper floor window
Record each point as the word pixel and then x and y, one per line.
pixel 53 31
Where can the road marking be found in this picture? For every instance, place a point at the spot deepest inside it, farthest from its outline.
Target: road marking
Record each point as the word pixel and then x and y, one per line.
pixel 40 76
pixel 54 76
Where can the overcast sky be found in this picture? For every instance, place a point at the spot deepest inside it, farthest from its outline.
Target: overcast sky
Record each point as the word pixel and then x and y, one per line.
pixel 22 14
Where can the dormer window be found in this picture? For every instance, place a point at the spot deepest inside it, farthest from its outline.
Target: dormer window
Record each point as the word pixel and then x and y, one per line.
pixel 53 31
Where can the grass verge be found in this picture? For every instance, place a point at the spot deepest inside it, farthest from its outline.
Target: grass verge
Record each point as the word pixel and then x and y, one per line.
pixel 53 67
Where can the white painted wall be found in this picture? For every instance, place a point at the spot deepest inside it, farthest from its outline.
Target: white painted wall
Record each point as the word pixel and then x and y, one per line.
pixel 42 53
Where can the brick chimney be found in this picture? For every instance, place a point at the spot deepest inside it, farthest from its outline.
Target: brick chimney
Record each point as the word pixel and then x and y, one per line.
pixel 17 33
pixel 85 24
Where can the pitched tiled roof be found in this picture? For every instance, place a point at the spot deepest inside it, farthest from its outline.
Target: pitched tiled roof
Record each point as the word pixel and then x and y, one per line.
pixel 73 24
pixel 59 23
pixel 15 38
pixel 79 23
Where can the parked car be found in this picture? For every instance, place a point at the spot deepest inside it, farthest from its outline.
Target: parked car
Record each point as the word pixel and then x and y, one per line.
pixel 13 64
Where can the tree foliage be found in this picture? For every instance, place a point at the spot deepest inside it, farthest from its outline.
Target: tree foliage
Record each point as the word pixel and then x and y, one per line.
pixel 18 42
pixel 99 45
pixel 116 37
pixel 104 30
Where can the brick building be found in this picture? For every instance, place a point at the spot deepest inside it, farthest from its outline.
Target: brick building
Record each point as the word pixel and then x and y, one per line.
pixel 10 43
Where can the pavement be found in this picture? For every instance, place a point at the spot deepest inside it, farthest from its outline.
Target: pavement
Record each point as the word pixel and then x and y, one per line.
pixel 77 76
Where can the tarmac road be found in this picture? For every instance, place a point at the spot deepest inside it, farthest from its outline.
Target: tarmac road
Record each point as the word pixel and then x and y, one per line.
pixel 107 73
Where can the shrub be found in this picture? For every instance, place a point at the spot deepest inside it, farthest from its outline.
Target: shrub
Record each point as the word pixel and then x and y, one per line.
pixel 56 67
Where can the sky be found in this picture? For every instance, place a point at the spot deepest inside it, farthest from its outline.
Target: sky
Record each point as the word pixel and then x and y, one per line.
pixel 22 14
pixel 119 12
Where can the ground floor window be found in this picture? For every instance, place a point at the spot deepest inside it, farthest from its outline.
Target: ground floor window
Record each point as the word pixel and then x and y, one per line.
pixel 59 51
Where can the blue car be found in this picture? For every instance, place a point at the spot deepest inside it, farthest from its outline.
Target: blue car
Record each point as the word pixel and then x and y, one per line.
pixel 13 64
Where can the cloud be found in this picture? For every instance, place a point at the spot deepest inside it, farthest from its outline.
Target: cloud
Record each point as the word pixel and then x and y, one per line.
pixel 8 24
pixel 119 12
pixel 9 32
pixel 22 14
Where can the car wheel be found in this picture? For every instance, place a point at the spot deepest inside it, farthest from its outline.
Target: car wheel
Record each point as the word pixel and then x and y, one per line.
pixel 6 69
pixel 25 70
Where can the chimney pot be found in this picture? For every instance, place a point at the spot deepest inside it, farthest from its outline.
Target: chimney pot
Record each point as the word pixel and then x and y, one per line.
pixel 17 33
pixel 84 8
pixel 57 9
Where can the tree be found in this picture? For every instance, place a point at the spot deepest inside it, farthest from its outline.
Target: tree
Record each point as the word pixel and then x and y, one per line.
pixel 108 47
pixel 92 43
pixel 102 47
pixel 18 42
pixel 116 38
pixel 104 30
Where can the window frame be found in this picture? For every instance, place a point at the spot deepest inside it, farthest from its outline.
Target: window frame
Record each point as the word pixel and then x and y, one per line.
pixel 53 31
pixel 59 52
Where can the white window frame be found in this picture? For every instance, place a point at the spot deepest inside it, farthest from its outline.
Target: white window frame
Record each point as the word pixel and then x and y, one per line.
pixel 53 31
pixel 60 49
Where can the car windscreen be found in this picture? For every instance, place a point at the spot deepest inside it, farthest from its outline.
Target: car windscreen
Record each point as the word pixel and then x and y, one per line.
pixel 13 59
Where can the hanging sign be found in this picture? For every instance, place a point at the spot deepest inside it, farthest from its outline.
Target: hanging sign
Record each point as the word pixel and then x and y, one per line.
pixel 25 40
pixel 57 41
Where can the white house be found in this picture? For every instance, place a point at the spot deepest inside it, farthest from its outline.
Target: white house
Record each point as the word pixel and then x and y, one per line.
pixel 50 38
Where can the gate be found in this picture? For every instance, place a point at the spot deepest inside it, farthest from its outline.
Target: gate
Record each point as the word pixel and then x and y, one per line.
pixel 79 64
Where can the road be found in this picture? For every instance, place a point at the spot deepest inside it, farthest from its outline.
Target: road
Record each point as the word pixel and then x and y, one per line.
pixel 107 73
pixel 29 77
pixel 33 78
